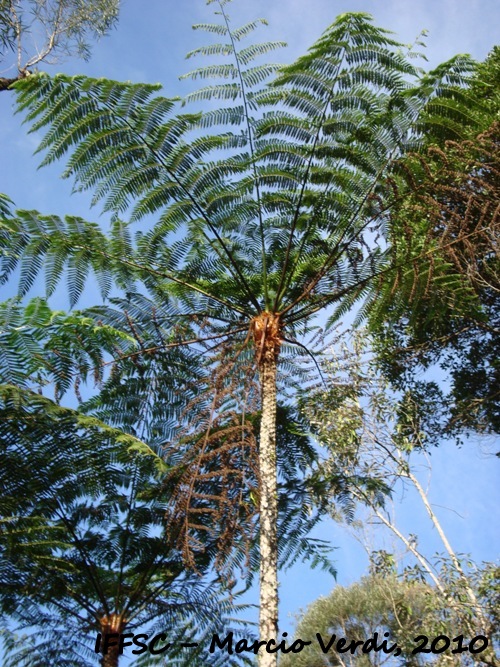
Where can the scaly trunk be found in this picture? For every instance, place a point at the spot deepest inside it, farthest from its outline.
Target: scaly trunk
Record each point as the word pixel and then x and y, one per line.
pixel 267 329
pixel 111 658
pixel 268 621
pixel 109 625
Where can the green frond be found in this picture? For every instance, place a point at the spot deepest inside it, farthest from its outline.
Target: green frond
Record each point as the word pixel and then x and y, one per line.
pixel 450 110
pixel 211 27
pixel 212 72
pixel 211 50
pixel 254 51
pixel 112 126
pixel 247 29
pixel 48 242
pixel 227 91
pixel 154 200
pixel 288 125
pixel 5 204
pixel 33 262
pixel 78 268
pixel 84 531
pixel 256 75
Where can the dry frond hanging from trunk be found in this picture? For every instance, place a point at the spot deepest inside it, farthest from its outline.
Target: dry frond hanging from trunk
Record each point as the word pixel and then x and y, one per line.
pixel 216 465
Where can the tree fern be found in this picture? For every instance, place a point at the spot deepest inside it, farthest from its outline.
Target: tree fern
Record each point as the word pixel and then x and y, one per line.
pixel 281 212
pixel 82 540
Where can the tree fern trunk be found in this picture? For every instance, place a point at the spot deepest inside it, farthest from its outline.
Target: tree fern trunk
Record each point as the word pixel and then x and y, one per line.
pixel 109 625
pixel 111 658
pixel 268 621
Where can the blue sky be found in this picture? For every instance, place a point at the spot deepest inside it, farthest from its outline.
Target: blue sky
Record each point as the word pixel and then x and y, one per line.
pixel 152 38
pixel 149 45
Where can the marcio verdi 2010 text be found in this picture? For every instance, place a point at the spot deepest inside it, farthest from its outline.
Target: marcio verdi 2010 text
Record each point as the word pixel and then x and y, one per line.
pixel 158 644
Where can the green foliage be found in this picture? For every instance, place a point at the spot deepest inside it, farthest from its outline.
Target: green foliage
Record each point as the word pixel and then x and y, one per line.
pixel 372 438
pixel 444 310
pixel 488 585
pixel 366 430
pixel 487 85
pixel 282 225
pixel 82 536
pixel 65 26
pixel 39 346
pixel 7 32
pixel 5 204
pixel 267 207
pixel 404 608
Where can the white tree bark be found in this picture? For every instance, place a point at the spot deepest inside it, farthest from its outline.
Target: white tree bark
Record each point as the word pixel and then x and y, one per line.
pixel 268 619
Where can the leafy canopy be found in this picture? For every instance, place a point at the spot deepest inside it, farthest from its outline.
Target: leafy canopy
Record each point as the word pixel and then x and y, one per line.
pixel 267 207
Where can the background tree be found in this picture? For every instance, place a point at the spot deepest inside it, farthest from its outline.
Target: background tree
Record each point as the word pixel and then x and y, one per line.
pixel 446 311
pixel 44 31
pixel 374 440
pixel 379 603
pixel 247 247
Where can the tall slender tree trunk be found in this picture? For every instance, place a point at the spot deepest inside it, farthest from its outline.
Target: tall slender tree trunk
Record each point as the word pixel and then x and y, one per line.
pixel 111 624
pixel 267 340
pixel 268 620
pixel 111 658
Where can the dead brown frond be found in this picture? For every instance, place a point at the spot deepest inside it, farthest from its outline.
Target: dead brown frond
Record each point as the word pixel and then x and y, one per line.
pixel 215 465
pixel 453 213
